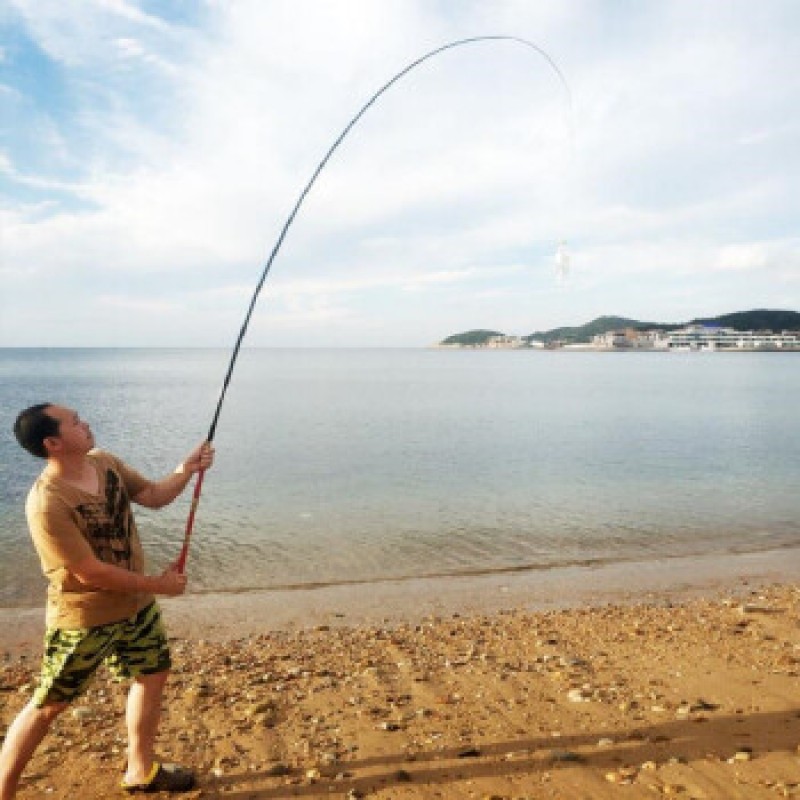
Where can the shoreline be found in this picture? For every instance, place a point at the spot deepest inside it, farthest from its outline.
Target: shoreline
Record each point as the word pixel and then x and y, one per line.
pixel 230 615
pixel 412 600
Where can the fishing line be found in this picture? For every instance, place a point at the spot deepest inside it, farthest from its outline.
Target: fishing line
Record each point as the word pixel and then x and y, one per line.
pixel 181 561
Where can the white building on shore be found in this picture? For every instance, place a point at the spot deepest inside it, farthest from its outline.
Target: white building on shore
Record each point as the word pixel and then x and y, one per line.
pixel 699 338
pixel 629 338
pixel 506 342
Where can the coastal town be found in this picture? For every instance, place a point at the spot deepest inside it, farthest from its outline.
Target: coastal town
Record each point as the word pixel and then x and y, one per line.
pixel 697 338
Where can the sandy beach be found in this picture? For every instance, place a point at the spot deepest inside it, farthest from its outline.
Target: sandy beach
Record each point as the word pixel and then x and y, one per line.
pixel 683 684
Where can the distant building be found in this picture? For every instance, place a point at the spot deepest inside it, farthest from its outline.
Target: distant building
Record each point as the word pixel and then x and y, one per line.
pixel 627 339
pixel 692 337
pixel 655 339
pixel 611 339
pixel 701 337
pixel 503 341
pixel 698 337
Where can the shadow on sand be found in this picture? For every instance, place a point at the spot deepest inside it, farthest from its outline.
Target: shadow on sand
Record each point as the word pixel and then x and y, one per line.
pixel 688 740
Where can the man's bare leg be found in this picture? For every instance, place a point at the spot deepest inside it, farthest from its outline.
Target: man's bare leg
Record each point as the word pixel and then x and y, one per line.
pixel 143 715
pixel 22 739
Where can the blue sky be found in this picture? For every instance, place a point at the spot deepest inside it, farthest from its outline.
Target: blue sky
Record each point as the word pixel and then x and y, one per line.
pixel 151 151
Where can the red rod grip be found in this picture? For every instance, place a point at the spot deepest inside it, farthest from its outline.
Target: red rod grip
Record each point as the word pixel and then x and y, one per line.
pixel 198 488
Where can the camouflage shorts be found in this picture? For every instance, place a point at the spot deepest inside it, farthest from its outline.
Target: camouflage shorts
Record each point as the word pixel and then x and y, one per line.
pixel 130 648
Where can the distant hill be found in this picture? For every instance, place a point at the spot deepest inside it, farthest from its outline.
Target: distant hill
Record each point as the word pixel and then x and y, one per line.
pixel 756 320
pixel 584 333
pixel 471 337
pixel 761 319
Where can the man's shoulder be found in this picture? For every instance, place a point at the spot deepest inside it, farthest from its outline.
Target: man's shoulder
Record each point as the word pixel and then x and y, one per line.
pixel 44 495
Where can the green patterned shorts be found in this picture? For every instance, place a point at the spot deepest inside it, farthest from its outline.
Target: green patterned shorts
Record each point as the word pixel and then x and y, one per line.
pixel 130 648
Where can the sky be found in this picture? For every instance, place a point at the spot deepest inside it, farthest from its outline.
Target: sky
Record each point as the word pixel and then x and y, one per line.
pixel 152 150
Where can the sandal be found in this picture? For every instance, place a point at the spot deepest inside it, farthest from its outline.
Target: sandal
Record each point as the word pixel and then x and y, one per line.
pixel 163 778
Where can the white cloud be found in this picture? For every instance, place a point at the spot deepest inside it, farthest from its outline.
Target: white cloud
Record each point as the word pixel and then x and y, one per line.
pixel 122 303
pixel 81 33
pixel 130 13
pixel 779 257
pixel 8 169
pixel 190 141
pixel 396 280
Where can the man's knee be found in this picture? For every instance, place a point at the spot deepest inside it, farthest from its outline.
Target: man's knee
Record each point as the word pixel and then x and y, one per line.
pixel 153 680
pixel 47 712
pixel 50 711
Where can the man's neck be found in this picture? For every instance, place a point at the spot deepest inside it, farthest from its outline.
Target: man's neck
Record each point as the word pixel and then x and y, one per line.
pixel 75 469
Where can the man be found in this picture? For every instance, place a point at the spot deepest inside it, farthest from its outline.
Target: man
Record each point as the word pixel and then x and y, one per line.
pixel 101 606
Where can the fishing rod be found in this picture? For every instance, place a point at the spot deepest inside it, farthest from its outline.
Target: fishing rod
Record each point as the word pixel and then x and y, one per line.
pixel 181 561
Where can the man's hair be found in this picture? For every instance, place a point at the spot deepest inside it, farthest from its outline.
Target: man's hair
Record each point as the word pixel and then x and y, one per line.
pixel 33 426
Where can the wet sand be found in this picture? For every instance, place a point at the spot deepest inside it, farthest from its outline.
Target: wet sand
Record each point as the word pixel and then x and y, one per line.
pixel 224 615
pixel 666 679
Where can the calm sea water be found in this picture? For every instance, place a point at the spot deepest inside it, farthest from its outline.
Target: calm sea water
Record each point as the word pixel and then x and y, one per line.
pixel 363 465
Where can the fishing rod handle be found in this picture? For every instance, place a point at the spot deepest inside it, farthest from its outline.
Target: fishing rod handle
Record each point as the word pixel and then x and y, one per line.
pixel 180 564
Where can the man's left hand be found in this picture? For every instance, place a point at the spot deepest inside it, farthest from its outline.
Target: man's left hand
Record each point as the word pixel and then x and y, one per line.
pixel 202 457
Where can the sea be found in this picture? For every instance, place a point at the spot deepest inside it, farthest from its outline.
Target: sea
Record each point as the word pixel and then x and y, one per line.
pixel 356 466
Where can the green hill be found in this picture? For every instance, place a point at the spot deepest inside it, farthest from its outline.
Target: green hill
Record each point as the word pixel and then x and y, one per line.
pixel 584 333
pixel 761 319
pixel 471 338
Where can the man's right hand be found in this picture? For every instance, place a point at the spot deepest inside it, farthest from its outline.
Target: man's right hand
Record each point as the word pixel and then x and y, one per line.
pixel 170 583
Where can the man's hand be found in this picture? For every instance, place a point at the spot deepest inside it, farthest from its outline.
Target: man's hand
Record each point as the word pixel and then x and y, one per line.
pixel 170 583
pixel 202 457
pixel 160 493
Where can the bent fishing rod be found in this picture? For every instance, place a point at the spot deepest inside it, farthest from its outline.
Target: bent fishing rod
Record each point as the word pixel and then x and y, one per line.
pixel 180 564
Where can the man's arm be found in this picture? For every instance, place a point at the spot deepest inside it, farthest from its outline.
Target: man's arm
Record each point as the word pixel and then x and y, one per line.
pixel 98 574
pixel 161 493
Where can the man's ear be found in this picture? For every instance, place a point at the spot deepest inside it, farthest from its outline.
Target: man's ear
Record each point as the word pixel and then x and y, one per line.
pixel 52 444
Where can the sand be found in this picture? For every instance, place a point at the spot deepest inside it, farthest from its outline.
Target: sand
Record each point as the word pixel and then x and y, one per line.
pixel 687 689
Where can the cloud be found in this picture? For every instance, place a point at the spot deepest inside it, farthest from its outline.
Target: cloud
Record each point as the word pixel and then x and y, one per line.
pixel 163 153
pixel 124 303
pixel 765 136
pixel 82 34
pixel 395 280
pixel 778 257
pixel 8 169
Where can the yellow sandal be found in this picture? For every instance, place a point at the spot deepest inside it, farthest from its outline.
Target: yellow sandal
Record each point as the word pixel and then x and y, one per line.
pixel 163 778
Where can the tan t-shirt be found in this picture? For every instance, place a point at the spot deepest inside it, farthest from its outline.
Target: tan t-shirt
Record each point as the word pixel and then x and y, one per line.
pixel 68 525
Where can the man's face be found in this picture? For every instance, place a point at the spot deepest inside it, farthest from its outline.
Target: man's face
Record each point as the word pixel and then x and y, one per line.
pixel 74 435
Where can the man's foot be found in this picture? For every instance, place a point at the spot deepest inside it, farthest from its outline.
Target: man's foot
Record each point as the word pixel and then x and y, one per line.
pixel 163 778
